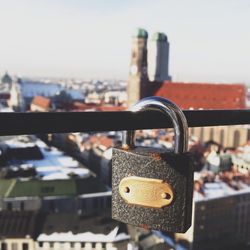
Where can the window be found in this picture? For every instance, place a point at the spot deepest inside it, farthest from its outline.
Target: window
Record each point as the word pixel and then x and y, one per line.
pixel 236 138
pixel 4 246
pixel 25 246
pixel 211 134
pixel 9 206
pixel 222 137
pixel 52 206
pixel 21 205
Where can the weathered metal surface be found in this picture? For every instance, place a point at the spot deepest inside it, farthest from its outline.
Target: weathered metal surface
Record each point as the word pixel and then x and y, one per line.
pixel 175 169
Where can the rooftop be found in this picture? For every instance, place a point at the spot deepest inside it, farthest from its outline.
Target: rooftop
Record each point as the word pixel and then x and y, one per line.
pixel 208 185
pixel 42 102
pixel 140 33
pixel 74 228
pixel 203 95
pixel 49 162
pixel 159 36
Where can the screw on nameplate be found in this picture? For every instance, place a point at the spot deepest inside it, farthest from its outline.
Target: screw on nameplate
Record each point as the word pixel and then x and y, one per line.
pixel 146 192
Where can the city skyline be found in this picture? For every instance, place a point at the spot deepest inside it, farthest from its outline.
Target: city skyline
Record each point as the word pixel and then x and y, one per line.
pixel 208 41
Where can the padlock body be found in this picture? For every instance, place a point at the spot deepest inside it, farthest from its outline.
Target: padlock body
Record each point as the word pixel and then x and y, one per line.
pixel 174 169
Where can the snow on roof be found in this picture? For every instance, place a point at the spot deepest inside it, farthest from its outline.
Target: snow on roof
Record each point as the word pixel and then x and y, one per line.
pixel 54 165
pixel 108 154
pixel 56 173
pixel 113 236
pixel 6 109
pixel 217 190
pixel 56 161
pixel 165 237
pixel 56 176
pixel 75 94
pixel 92 195
pixel 4 88
pixel 17 143
pixel 31 89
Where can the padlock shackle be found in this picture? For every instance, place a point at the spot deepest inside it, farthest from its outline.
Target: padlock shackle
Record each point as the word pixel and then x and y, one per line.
pixel 172 111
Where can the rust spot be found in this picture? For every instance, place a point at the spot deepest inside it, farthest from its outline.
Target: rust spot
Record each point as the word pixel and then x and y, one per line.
pixel 155 156
pixel 125 147
pixel 145 226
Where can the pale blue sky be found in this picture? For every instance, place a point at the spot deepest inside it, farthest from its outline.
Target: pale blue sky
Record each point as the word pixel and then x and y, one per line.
pixel 209 39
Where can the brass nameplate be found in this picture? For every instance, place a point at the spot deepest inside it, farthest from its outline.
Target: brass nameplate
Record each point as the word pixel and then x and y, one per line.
pixel 146 192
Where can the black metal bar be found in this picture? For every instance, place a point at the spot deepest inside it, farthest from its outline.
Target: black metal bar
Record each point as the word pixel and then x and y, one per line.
pixel 62 122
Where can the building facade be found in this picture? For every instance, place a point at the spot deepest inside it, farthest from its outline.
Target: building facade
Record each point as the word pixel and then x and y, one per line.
pixel 226 136
pixel 219 223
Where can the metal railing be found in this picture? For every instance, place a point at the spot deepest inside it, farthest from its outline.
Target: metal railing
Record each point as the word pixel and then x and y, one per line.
pixel 63 122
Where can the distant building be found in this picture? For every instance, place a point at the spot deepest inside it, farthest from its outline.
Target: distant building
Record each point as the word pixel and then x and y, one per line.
pixel 149 76
pixel 16 101
pixel 22 93
pixel 5 85
pixel 6 79
pixel 227 136
pixel 21 230
pixel 18 230
pixel 240 158
pixel 71 231
pixel 220 211
pixel 40 104
pixel 27 230
pixel 115 97
pixel 220 222
pixel 59 184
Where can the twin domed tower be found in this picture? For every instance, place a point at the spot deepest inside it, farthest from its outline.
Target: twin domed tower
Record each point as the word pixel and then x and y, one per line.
pixel 149 64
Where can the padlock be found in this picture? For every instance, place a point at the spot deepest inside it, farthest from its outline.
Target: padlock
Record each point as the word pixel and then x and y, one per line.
pixel 153 188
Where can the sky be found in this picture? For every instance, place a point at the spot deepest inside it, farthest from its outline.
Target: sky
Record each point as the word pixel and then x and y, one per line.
pixel 209 40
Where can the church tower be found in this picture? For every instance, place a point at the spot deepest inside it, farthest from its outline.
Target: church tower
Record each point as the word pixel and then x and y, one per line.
pixel 138 70
pixel 158 58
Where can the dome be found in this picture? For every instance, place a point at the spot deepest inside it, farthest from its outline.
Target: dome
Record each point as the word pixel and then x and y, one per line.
pixel 6 78
pixel 140 33
pixel 158 36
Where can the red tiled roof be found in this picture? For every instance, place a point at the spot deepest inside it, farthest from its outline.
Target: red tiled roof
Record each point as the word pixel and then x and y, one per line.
pixel 111 108
pixel 82 106
pixel 41 101
pixel 204 95
pixel 105 141
pixel 97 107
pixel 93 139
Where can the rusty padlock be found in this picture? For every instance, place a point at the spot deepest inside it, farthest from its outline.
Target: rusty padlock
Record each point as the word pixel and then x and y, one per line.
pixel 153 188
